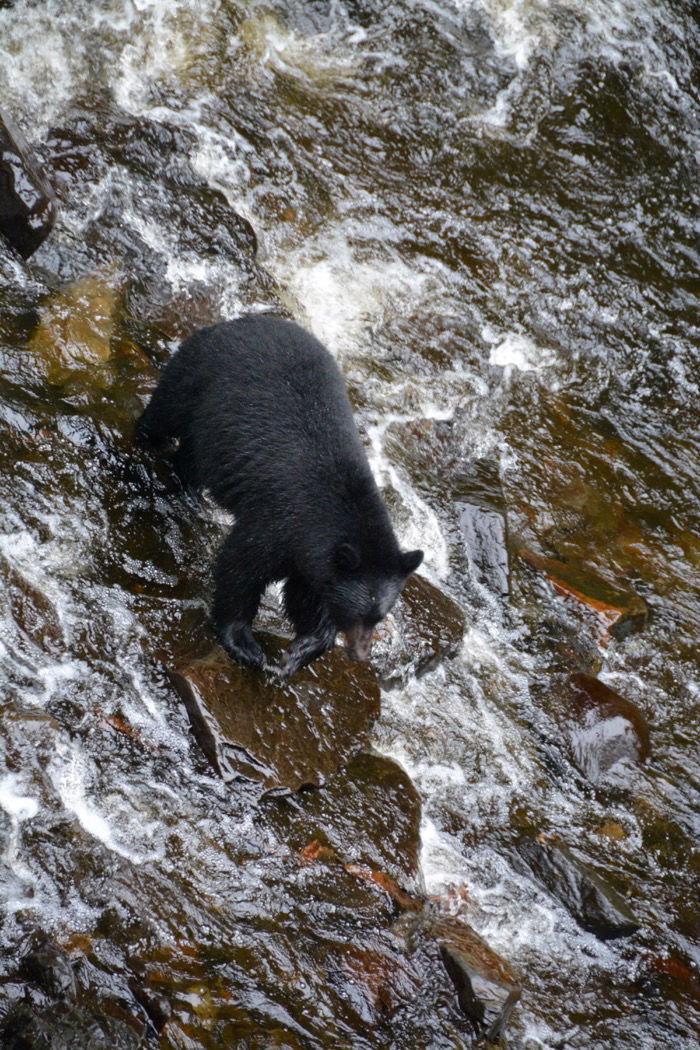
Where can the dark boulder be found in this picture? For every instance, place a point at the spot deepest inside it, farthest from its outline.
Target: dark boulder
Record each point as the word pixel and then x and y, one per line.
pixel 27 202
pixel 486 986
pixel 595 905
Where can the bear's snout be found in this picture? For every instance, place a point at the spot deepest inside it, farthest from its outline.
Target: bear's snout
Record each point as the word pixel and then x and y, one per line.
pixel 358 642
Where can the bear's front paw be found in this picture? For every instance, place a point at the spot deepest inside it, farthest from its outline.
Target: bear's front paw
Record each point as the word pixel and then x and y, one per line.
pixel 242 647
pixel 290 663
pixel 304 649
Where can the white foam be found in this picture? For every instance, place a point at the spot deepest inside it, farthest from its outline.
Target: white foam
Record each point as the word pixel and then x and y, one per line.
pixel 513 350
pixel 19 807
pixel 342 297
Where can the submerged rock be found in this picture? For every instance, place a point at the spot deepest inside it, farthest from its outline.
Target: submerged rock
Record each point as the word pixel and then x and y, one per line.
pixel 424 627
pixel 594 904
pixel 76 327
pixel 278 734
pixel 486 986
pixel 608 735
pixel 487 989
pixel 34 612
pixel 368 813
pixel 619 612
pixel 27 202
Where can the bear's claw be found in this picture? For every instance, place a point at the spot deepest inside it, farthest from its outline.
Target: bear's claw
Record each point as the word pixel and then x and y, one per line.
pixel 242 647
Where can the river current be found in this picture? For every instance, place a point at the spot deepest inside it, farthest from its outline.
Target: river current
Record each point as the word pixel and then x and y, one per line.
pixel 488 210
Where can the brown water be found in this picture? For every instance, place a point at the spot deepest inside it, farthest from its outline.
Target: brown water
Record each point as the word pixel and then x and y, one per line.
pixel 488 210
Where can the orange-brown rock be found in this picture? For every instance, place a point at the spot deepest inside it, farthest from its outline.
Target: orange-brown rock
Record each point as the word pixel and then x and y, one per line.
pixel 617 611
pixel 487 987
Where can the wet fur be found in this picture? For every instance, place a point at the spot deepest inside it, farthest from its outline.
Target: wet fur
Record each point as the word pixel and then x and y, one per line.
pixel 260 417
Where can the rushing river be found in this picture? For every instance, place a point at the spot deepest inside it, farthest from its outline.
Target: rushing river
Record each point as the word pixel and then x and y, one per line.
pixel 488 210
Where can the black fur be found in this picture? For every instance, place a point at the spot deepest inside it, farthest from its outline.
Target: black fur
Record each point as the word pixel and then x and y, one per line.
pixel 257 413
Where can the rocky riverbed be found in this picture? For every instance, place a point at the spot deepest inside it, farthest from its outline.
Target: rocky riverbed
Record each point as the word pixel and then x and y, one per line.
pixel 487 211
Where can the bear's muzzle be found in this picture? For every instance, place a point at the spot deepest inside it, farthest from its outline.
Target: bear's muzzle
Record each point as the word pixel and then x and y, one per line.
pixel 358 642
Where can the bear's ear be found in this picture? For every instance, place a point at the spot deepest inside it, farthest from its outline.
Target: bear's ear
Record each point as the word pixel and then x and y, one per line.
pixel 410 560
pixel 347 557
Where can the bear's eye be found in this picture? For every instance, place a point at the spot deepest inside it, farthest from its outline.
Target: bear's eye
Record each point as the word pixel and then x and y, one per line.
pixel 373 598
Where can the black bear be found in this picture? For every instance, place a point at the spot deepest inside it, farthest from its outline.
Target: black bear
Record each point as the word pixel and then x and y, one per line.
pixel 255 411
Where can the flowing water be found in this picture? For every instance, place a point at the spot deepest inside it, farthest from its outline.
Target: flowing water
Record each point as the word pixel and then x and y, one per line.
pixel 488 211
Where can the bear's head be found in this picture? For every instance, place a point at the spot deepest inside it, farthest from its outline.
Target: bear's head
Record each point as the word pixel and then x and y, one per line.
pixel 359 595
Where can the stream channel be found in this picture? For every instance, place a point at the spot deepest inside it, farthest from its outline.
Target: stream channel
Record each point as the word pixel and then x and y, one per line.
pixel 488 211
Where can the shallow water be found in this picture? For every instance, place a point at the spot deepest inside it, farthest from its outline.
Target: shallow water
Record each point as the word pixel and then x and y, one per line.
pixel 488 211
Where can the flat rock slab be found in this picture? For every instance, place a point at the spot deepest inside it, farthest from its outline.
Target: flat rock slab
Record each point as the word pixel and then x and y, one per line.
pixel 608 734
pixel 424 626
pixel 486 986
pixel 281 735
pixel 619 612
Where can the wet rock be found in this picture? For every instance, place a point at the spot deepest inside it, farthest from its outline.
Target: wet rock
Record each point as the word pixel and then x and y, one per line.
pixel 429 453
pixel 193 307
pixel 156 186
pixel 405 902
pixel 280 735
pixel 424 627
pixel 595 905
pixel 27 202
pixel 608 735
pixel 49 968
pixel 374 982
pixel 483 526
pixel 25 728
pixel 156 1006
pixel 103 1024
pixel 368 813
pixel 76 328
pixel 619 612
pixel 486 986
pixel 62 1002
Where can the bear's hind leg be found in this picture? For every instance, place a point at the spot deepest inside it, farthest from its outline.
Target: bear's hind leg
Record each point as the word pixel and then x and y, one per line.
pixel 239 584
pixel 315 631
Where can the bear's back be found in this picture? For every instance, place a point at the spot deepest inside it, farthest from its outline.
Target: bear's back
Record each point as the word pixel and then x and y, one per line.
pixel 270 414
